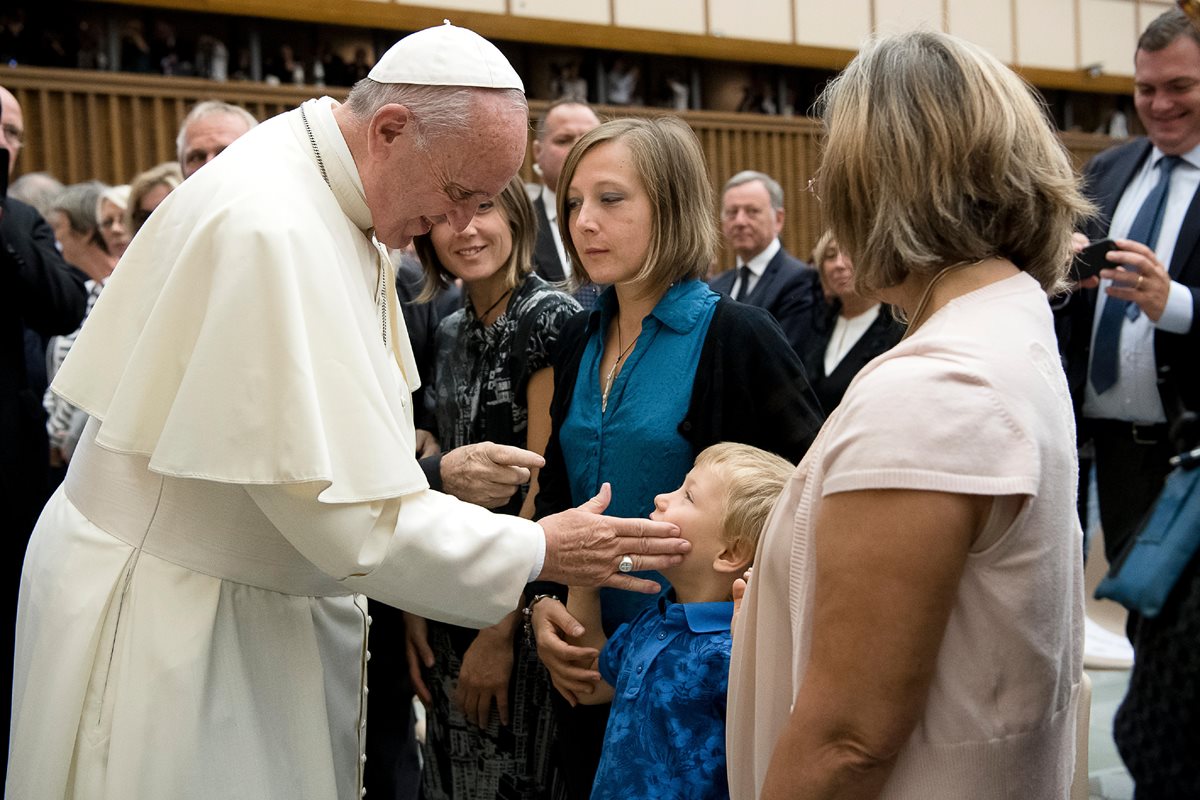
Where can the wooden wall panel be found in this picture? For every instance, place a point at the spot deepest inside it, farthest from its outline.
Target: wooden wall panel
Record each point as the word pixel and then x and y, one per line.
pixel 1108 35
pixel 677 16
pixel 450 6
pixel 1046 34
pixel 595 12
pixel 986 23
pixel 896 16
pixel 847 28
pixel 82 125
pixel 770 21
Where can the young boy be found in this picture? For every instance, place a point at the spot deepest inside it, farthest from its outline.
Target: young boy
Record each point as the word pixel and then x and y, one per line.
pixel 667 671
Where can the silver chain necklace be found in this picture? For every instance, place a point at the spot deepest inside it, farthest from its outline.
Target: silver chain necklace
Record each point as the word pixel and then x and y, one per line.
pixel 381 294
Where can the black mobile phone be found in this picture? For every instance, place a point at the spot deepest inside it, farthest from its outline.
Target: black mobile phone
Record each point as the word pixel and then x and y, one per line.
pixel 1090 260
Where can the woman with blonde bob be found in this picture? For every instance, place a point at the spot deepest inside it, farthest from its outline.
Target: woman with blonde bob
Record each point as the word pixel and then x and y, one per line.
pixel 660 370
pixel 914 627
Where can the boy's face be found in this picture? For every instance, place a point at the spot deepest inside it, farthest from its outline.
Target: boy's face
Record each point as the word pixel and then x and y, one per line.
pixel 696 508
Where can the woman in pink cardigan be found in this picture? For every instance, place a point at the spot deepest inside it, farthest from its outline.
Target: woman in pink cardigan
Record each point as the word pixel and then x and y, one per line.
pixel 913 628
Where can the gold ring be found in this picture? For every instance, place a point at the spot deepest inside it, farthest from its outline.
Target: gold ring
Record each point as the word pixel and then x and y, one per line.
pixel 1137 286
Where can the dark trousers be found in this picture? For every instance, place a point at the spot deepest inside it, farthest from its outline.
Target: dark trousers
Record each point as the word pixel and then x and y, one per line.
pixel 393 769
pixel 1131 465
pixel 577 748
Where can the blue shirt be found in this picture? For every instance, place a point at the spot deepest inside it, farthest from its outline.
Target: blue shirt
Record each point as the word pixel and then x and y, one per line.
pixel 666 731
pixel 635 444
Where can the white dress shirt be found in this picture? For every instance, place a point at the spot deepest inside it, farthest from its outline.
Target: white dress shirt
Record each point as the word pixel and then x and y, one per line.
pixel 757 265
pixel 1134 397
pixel 551 202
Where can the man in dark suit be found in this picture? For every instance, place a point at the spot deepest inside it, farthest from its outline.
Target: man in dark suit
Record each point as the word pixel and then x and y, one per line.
pixel 1132 372
pixel 1131 347
pixel 557 131
pixel 766 275
pixel 44 297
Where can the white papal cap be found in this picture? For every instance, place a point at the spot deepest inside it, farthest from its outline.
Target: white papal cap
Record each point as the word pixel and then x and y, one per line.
pixel 446 56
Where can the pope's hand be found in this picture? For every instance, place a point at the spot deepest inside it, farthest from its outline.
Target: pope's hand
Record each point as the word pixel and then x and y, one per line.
pixel 584 548
pixel 487 474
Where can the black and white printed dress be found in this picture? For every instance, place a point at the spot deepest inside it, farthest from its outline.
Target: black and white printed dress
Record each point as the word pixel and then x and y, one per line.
pixel 481 381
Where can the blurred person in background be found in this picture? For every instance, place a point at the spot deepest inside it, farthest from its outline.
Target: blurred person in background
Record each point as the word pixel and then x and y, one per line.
pixel 852 330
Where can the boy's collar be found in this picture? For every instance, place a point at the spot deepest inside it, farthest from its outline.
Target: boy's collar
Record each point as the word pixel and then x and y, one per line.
pixel 699 617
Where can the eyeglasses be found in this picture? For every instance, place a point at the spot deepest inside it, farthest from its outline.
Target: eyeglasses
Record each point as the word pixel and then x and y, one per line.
pixel 13 134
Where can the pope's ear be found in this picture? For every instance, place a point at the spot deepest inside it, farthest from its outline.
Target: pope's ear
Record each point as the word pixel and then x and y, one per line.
pixel 388 124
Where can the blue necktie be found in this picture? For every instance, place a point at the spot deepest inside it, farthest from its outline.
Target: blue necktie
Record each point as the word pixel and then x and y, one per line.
pixel 1146 225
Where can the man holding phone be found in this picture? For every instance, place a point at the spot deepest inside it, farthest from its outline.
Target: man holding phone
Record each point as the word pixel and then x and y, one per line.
pixel 1131 338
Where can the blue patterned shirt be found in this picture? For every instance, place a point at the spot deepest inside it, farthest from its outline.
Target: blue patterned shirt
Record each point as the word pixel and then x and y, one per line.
pixel 666 733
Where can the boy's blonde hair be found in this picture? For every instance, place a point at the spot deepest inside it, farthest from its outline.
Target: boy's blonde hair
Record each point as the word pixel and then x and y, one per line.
pixel 753 480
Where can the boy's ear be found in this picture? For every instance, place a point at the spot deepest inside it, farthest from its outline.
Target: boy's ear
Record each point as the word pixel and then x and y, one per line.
pixel 734 558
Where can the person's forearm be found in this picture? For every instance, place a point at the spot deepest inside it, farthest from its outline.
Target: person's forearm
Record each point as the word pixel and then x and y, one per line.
pixel 813 762
pixel 506 628
pixel 584 605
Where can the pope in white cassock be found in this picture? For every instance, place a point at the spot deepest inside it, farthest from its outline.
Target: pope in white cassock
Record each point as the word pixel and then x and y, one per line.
pixel 192 622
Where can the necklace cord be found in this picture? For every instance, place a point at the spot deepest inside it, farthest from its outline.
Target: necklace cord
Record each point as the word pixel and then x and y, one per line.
pixel 612 373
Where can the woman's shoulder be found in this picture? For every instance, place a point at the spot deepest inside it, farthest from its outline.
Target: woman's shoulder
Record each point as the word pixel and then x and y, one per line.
pixel 537 297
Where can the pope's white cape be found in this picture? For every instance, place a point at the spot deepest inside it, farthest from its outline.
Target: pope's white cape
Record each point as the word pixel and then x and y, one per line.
pixel 239 382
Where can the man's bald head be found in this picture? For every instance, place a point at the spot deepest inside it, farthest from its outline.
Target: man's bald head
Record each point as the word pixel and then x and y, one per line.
pixel 557 131
pixel 208 129
pixel 12 123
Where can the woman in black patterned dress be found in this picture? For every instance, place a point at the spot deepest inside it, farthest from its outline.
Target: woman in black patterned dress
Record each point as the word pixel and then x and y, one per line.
pixel 489 724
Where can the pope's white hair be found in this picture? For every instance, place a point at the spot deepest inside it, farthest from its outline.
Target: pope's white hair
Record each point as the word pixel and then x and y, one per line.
pixel 437 110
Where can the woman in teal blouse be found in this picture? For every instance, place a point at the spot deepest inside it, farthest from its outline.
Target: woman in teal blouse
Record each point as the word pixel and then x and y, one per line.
pixel 662 368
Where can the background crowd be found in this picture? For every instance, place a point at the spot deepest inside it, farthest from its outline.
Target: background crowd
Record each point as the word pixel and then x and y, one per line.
pixel 583 319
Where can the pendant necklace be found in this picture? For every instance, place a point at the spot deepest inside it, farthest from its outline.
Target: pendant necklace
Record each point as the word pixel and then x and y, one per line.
pixel 382 290
pixel 612 373
pixel 483 317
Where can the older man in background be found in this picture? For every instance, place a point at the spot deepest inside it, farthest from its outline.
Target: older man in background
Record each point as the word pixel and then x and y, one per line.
pixel 765 274
pixel 207 130
pixel 191 624
pixel 557 131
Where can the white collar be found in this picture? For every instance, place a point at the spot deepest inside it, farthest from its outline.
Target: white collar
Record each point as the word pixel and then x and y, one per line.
pixel 758 264
pixel 1192 157
pixel 551 201
pixel 340 168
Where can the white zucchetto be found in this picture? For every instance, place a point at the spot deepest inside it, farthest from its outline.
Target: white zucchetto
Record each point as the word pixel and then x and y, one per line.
pixel 446 55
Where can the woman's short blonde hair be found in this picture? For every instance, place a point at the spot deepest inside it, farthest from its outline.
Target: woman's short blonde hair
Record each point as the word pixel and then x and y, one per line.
pixel 938 154
pixel 513 203
pixel 166 174
pixel 683 225
pixel 753 480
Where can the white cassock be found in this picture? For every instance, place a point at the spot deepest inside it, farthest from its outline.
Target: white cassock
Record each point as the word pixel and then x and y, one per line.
pixel 191 621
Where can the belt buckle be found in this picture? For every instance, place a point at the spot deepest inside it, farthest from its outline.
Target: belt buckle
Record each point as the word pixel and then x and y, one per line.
pixel 1138 438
